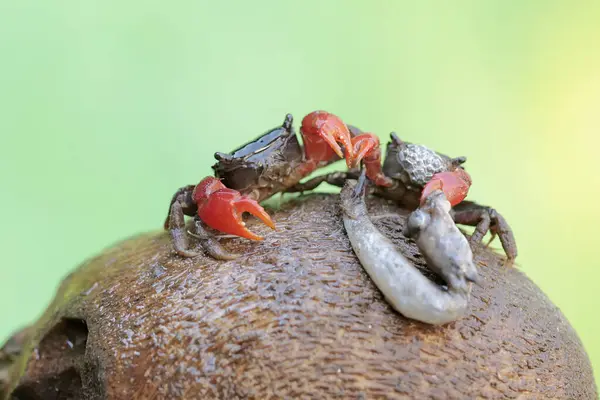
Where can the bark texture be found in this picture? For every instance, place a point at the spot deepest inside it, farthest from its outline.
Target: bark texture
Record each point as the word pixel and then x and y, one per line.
pixel 295 317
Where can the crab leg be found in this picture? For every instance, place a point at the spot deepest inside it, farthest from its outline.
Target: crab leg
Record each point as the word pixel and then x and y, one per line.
pixel 486 219
pixel 209 243
pixel 337 178
pixel 181 205
pixel 221 208
pixel 404 287
pixel 176 226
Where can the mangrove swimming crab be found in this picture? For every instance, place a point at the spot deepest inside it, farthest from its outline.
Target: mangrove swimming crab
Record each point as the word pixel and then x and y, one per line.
pixel 275 162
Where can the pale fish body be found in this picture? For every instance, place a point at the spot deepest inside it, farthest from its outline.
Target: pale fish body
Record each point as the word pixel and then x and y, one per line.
pixel 443 246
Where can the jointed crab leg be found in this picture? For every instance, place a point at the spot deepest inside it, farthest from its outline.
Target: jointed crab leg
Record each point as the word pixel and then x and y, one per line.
pixel 486 219
pixel 181 204
pixel 337 178
pixel 209 243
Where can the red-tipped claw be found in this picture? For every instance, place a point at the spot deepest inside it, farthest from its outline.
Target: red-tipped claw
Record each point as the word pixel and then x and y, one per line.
pixel 454 184
pixel 221 208
pixel 323 133
pixel 366 148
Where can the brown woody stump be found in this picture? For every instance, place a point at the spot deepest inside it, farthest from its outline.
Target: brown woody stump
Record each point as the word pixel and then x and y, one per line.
pixel 295 317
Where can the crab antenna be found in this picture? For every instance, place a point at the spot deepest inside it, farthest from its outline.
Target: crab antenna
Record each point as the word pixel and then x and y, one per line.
pixel 456 161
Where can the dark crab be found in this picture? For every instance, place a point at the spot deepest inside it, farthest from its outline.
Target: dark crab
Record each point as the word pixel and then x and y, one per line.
pixel 415 172
pixel 270 164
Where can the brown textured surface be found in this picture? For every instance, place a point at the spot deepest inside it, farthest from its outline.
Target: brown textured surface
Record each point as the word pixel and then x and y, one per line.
pixel 297 317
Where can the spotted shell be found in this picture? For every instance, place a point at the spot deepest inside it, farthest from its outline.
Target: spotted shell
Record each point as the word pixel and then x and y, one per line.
pixel 420 163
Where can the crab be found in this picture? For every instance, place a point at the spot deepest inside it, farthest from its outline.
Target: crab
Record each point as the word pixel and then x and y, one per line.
pixel 410 174
pixel 270 164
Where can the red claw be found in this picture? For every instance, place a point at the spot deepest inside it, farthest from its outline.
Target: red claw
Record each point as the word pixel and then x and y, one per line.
pixel 221 208
pixel 366 148
pixel 454 184
pixel 322 132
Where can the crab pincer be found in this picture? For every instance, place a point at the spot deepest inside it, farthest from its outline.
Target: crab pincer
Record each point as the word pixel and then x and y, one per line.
pixel 455 185
pixel 221 208
pixel 366 149
pixel 319 128
pixel 214 205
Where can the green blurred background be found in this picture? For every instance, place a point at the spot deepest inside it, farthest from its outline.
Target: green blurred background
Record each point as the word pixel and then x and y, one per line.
pixel 107 107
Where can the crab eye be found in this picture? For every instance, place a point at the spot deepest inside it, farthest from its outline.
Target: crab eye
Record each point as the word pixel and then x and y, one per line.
pixel 223 156
pixel 287 124
pixel 395 139
pixel 457 161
